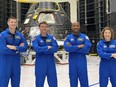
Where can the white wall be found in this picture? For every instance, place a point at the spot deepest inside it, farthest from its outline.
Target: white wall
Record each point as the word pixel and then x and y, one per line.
pixel 73 10
pixel 113 6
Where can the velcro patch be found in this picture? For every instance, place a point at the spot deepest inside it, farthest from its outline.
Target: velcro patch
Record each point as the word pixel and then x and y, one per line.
pixel 48 40
pixel 17 37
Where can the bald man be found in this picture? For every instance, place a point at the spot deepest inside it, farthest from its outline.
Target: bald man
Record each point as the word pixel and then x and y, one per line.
pixel 78 45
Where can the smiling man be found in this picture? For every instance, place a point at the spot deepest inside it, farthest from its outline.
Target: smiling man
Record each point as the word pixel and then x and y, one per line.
pixel 78 45
pixel 45 46
pixel 11 44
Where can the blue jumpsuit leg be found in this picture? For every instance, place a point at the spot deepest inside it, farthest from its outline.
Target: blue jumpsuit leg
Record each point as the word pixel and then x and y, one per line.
pixel 51 73
pixel 82 71
pixel 4 82
pixel 40 71
pixel 5 71
pixel 15 80
pixel 113 81
pixel 83 77
pixel 15 76
pixel 40 81
pixel 73 78
pixel 104 73
pixel 113 72
pixel 73 74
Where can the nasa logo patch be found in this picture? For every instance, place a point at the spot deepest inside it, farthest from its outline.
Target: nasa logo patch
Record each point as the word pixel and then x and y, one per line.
pixel 105 46
pixel 71 39
pixel 41 41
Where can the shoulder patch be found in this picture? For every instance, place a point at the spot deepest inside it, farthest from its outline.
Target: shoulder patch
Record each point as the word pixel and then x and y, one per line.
pixel 65 38
pixel 87 37
pixel 98 43
pixel 54 38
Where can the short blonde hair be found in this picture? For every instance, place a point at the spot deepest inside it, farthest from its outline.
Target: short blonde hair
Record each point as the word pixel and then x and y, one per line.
pixel 107 28
pixel 12 18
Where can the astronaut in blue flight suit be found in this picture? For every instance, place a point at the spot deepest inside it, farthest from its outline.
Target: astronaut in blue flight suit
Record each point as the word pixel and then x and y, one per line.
pixel 45 46
pixel 78 45
pixel 11 44
pixel 106 49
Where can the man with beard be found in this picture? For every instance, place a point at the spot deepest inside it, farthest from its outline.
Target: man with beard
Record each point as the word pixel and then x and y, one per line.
pixel 78 45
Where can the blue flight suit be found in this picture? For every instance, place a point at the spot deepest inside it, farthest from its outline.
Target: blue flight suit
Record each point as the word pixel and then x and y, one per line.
pixel 107 67
pixel 45 64
pixel 77 58
pixel 10 59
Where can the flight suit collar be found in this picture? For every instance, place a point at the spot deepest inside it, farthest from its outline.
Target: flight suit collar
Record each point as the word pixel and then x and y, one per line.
pixel 77 35
pixel 42 36
pixel 106 41
pixel 8 31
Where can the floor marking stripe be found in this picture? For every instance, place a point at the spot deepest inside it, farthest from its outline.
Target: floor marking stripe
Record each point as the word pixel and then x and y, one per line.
pixel 94 84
